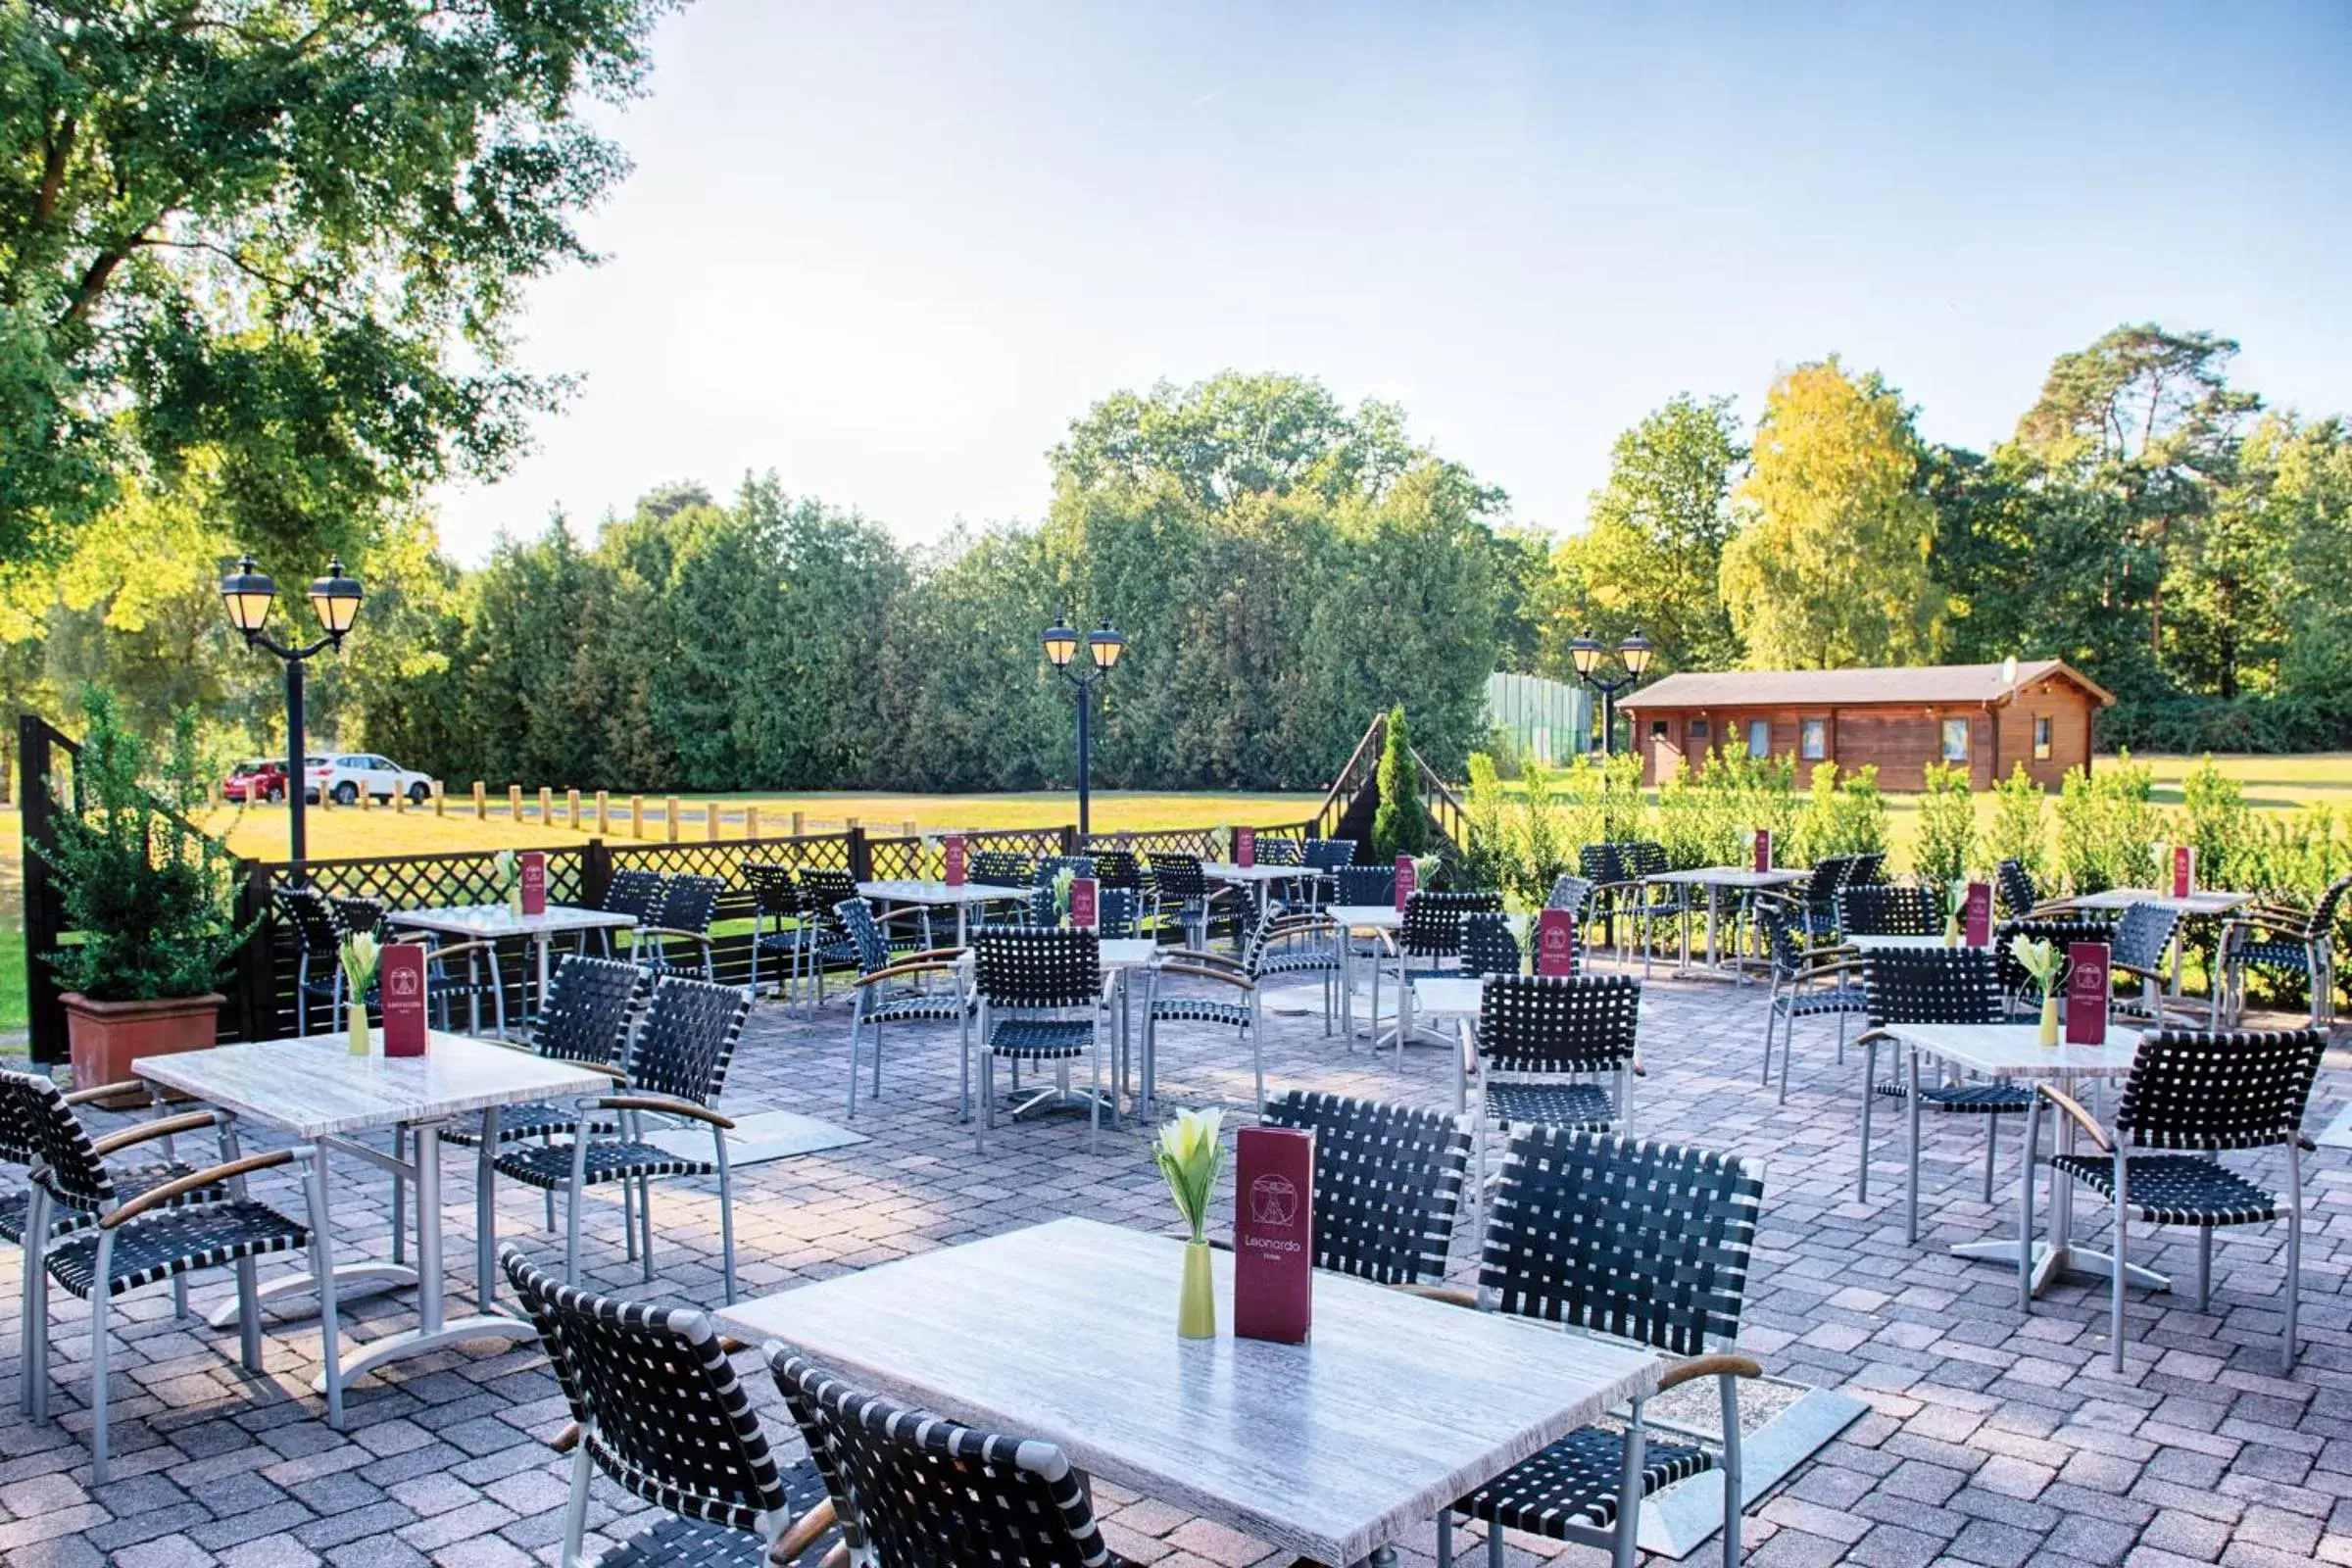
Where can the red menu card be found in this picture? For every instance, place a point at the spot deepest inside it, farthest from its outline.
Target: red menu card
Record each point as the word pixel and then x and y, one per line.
pixel 1245 847
pixel 531 867
pixel 1085 908
pixel 1976 915
pixel 2184 870
pixel 1556 941
pixel 1763 848
pixel 951 850
pixel 400 983
pixel 2086 994
pixel 1273 1233
pixel 1405 880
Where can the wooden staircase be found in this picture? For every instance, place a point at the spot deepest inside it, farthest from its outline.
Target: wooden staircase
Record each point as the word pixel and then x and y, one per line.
pixel 1354 799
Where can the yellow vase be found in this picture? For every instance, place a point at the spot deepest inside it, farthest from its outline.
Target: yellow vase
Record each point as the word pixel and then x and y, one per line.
pixel 2049 1019
pixel 358 1031
pixel 1951 930
pixel 1197 1307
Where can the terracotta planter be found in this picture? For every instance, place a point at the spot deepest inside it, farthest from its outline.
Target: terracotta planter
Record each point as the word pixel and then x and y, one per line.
pixel 107 1037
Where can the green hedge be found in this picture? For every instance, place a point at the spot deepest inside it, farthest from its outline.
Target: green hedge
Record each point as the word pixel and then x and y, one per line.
pixel 2191 724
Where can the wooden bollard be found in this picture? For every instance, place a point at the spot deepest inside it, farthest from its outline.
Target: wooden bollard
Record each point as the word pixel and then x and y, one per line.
pixel 603 814
pixel 547 807
pixel 751 822
pixel 637 817
pixel 481 802
pixel 572 810
pixel 711 821
pixel 514 803
pixel 440 799
pixel 400 803
pixel 669 817
pixel 911 830
pixel 800 825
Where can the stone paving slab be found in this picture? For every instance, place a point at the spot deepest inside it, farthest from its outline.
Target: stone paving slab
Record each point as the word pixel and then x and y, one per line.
pixel 1992 1438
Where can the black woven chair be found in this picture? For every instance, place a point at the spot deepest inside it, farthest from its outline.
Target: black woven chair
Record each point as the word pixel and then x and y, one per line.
pixel 1278 944
pixel 682 921
pixel 357 915
pixel 1816 917
pixel 1807 982
pixel 590 1004
pixel 1387 1183
pixel 1327 855
pixel 778 933
pixel 676 1067
pixel 1278 849
pixel 1538 1046
pixel 1932 984
pixel 2278 938
pixel 167 1230
pixel 1178 886
pixel 1574 894
pixel 2019 896
pixel 2137 945
pixel 999 868
pixel 310 916
pixel 470 972
pixel 1876 910
pixel 1432 927
pixel 908 1486
pixel 1633 1240
pixel 1602 867
pixel 1364 885
pixel 1487 945
pixel 634 893
pixel 2192 1095
pixel 1868 871
pixel 825 889
pixel 1654 905
pixel 895 988
pixel 656 1406
pixel 1040 995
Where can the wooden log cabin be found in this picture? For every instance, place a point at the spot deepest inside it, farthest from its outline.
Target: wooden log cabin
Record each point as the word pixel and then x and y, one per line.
pixel 1988 717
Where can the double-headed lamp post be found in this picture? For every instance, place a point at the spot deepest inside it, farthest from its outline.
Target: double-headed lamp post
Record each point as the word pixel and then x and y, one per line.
pixel 248 592
pixel 1103 646
pixel 1588 651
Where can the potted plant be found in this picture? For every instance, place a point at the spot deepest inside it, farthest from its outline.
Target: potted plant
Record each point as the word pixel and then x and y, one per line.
pixel 149 901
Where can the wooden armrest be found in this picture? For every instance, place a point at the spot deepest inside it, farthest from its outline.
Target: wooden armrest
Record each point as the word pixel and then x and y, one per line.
pixel 933 956
pixel 704 937
pixel 1701 1366
pixel 1196 956
pixel 1822 970
pixel 131 1086
pixel 2132 968
pixel 567 1439
pixel 618 1075
pixel 803 1533
pixel 664 1107
pixel 901 970
pixel 1239 982
pixel 2083 1118
pixel 837 1557
pixel 1450 1294
pixel 483 948
pixel 156 1197
pixel 186 1122
pixel 729 1345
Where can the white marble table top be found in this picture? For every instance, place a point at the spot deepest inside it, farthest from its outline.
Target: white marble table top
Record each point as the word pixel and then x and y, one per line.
pixel 1227 871
pixel 939 893
pixel 1876 943
pixel 1365 916
pixel 489 920
pixel 1449 996
pixel 1128 953
pixel 313 1086
pixel 2203 901
pixel 1731 876
pixel 2016 1051
pixel 1066 1331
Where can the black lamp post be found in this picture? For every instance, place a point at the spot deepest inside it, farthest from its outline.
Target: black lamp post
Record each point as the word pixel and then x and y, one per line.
pixel 247 593
pixel 1588 651
pixel 1103 646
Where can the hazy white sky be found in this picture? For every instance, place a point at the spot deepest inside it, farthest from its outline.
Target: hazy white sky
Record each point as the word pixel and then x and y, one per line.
pixel 891 249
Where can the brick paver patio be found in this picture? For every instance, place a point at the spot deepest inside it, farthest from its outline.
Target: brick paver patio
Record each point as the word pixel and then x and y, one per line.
pixel 1993 1439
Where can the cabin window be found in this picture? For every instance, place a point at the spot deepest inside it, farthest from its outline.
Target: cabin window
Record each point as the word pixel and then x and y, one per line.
pixel 1759 737
pixel 2042 737
pixel 1813 740
pixel 1698 730
pixel 1659 729
pixel 1955 740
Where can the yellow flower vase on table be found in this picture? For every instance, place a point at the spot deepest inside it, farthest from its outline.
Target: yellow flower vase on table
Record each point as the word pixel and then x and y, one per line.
pixel 358 957
pixel 1190 1155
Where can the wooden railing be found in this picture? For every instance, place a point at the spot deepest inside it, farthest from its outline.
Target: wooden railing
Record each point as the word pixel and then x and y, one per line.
pixel 1436 796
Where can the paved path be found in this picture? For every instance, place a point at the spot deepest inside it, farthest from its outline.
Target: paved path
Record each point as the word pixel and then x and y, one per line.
pixel 1994 1439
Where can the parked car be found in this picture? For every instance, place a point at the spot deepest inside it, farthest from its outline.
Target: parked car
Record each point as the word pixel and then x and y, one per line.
pixel 341 777
pixel 260 779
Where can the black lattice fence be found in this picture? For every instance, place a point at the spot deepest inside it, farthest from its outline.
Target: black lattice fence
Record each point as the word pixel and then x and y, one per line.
pixel 924 858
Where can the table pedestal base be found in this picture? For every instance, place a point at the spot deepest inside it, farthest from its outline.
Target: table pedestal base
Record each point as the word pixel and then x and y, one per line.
pixel 351 1278
pixel 409 1342
pixel 2050 1262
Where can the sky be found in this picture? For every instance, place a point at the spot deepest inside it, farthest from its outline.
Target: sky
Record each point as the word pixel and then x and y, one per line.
pixel 890 250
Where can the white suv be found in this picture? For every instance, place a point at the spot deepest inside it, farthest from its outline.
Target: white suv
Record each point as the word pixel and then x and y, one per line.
pixel 342 776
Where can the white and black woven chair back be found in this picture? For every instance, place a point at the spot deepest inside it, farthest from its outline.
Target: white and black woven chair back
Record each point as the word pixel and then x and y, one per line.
pixel 659 1407
pixel 1601 863
pixel 1572 893
pixel 1387 1183
pixel 1178 876
pixel 1117 869
pixel 1874 911
pixel 1037 966
pixel 2331 905
pixel 1001 869
pixel 1361 885
pixel 19 1145
pixel 2142 935
pixel 1488 946
pixel 1558 1023
pixel 1829 875
pixel 1783 928
pixel 822 887
pixel 2014 981
pixel 1647 1241
pixel 2017 889
pixel 2229 1089
pixel 691 1030
pixel 1115 912
pixel 590 1003
pixel 1433 921
pixel 358 916
pixel 1050 866
pixel 1931 984
pixel 689 901
pixel 305 913
pixel 1643 858
pixel 633 893
pixel 1868 870
pixel 75 1172
pixel 912 1488
pixel 1327 855
pixel 774 890
pixel 1274 850
pixel 864 934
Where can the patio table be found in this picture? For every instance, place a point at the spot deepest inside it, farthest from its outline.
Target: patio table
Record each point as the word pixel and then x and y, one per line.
pixel 2207 902
pixel 2015 1051
pixel 942 896
pixel 491 922
pixel 1716 878
pixel 314 1090
pixel 1351 918
pixel 1333 1449
pixel 1449 996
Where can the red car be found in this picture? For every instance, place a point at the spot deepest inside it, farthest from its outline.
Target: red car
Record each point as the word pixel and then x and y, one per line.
pixel 255 781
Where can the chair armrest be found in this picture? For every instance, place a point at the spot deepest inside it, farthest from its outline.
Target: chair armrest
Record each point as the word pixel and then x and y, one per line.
pixel 901 970
pixel 2121 967
pixel 664 1107
pixel 2083 1118
pixel 837 1557
pixel 802 1535
pixel 129 1086
pixel 567 1439
pixel 1701 1366
pixel 194 1181
pixel 935 955
pixel 1196 956
pixel 1821 971
pixel 1239 982
pixel 1450 1294
pixel 704 937
pixel 186 1122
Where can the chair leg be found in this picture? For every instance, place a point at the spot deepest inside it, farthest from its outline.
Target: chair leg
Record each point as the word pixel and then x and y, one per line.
pixel 98 1338
pixel 2115 1311
pixel 1992 1142
pixel 1733 1487
pixel 1789 1050
pixel 1445 1537
pixel 2295 1256
pixel 726 1215
pixel 1494 1544
pixel 857 1028
pixel 1627 1551
pixel 2025 1210
pixel 575 1506
pixel 400 1198
pixel 1771 1021
pixel 2204 1266
pixel 644 1221
pixel 1870 1094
